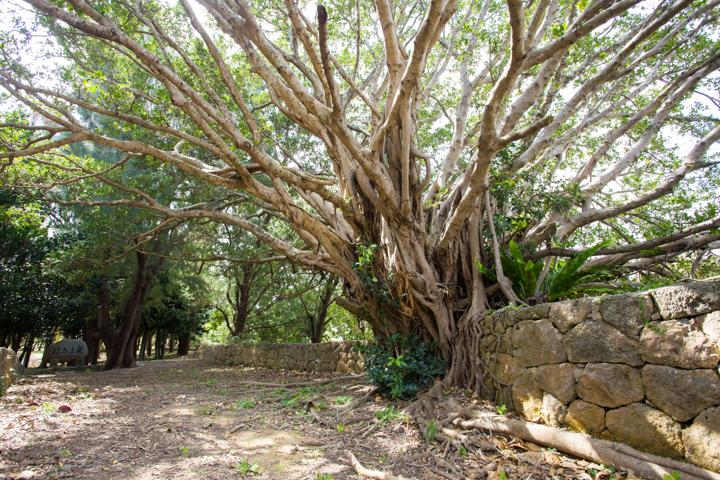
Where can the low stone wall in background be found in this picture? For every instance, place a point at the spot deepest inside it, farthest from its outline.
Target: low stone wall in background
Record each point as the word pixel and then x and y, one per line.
pixel 313 357
pixel 8 365
pixel 639 368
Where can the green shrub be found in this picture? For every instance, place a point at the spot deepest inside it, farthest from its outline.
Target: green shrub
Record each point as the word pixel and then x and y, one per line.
pixel 565 278
pixel 401 366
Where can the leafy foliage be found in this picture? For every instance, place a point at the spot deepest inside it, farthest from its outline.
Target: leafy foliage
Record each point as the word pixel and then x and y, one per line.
pixel 564 278
pixel 401 366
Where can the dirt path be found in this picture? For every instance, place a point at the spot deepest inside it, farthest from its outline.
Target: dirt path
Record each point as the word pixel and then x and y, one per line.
pixel 182 419
pixel 178 419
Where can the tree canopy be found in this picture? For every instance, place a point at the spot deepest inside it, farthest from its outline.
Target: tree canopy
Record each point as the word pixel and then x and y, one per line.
pixel 401 146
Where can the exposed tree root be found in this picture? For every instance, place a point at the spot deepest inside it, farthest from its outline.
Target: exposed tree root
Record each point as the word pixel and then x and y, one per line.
pixel 358 401
pixel 356 419
pixel 346 378
pixel 444 474
pixel 645 465
pixel 368 473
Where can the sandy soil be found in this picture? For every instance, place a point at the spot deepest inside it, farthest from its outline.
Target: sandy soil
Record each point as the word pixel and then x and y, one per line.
pixel 182 419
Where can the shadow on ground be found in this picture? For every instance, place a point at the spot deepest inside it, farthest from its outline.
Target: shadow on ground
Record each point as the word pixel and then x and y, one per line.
pixel 183 419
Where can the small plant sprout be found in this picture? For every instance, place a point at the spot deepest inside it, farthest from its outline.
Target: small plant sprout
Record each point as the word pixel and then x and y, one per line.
pixel 324 476
pixel 430 431
pixel 205 410
pixel 501 409
pixel 340 427
pixel 211 382
pixel 245 467
pixel 185 451
pixel 675 475
pixel 342 400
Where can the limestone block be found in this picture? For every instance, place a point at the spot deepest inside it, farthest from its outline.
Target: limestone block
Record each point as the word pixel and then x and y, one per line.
pixel 537 342
pixel 711 327
pixel 647 429
pixel 610 385
pixel 628 313
pixel 595 341
pixel 678 343
pixel 488 322
pixel 535 312
pixel 702 440
pixel 682 394
pixel 488 342
pixel 566 315
pixel 506 343
pixel 688 299
pixel 505 368
pixel 527 396
pixel 7 371
pixel 585 417
pixel 559 380
pixel 553 410
pixel 505 318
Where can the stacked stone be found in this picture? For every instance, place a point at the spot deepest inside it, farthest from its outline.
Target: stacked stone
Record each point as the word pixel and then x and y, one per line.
pixel 313 357
pixel 638 368
pixel 8 367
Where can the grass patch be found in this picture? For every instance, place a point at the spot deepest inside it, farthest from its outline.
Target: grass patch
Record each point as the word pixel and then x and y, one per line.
pixel 342 399
pixel 246 403
pixel 389 414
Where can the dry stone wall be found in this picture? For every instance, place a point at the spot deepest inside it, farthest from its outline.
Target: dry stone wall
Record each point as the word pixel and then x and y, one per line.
pixel 639 368
pixel 8 365
pixel 314 357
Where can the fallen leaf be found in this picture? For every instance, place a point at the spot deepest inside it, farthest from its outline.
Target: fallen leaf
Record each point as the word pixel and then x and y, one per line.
pixel 64 409
pixel 531 457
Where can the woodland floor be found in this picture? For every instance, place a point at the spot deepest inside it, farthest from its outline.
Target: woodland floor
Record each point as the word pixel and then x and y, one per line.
pixel 182 419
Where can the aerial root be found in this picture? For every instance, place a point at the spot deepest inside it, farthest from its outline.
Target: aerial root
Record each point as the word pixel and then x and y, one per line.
pixel 605 452
pixel 368 473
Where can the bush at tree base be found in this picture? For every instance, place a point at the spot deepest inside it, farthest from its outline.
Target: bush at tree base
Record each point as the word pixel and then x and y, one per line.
pixel 401 366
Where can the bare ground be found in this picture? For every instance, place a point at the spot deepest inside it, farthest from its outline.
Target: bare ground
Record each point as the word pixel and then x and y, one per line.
pixel 182 419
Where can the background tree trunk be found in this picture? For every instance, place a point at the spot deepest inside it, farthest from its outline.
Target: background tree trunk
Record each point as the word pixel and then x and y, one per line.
pixel 317 319
pixel 183 344
pixel 149 346
pixel 122 350
pixel 144 345
pixel 28 352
